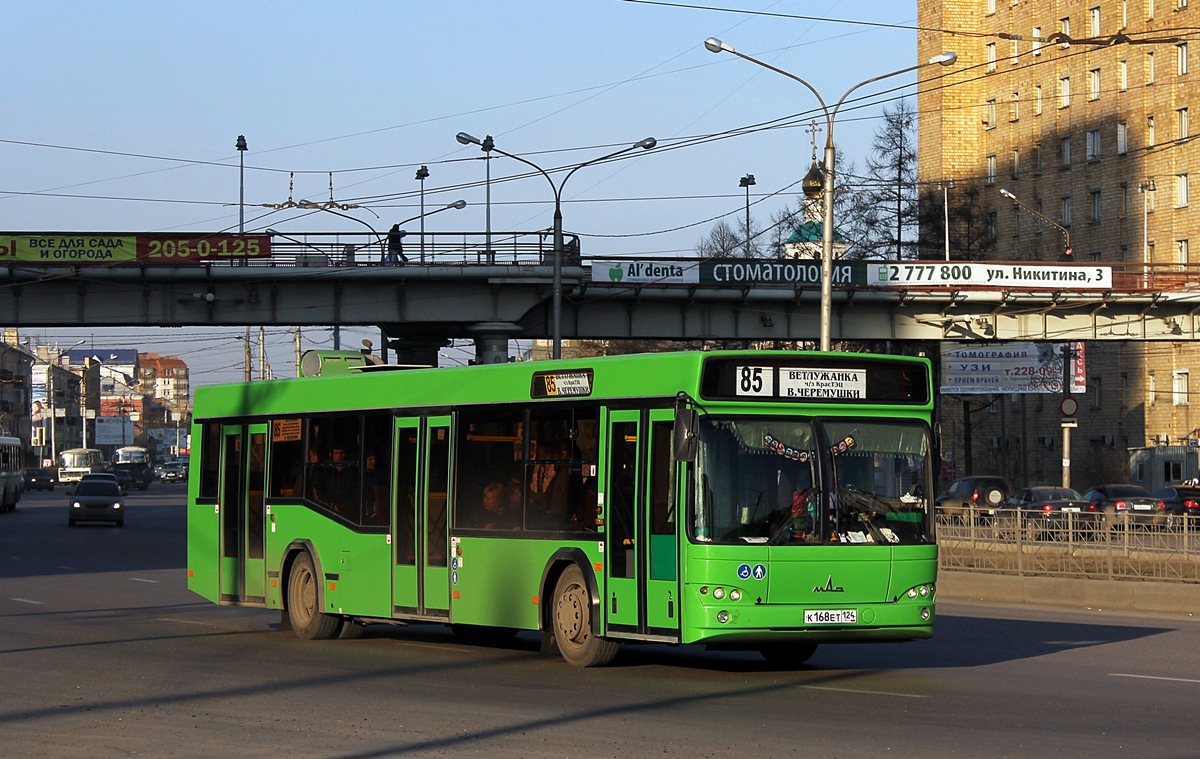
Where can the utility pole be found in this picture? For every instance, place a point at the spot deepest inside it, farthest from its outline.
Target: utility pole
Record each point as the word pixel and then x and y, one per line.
pixel 246 369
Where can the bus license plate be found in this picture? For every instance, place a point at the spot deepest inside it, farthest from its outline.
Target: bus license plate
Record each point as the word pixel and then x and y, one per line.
pixel 830 617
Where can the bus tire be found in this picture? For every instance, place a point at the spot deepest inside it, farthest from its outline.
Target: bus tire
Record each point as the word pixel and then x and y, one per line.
pixel 308 621
pixel 787 655
pixel 571 621
pixel 350 629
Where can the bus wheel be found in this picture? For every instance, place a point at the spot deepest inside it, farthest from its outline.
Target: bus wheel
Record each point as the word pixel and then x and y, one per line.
pixel 350 629
pixel 308 622
pixel 572 622
pixel 788 655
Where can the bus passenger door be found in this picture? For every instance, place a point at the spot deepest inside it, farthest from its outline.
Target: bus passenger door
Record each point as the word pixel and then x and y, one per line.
pixel 641 568
pixel 254 567
pixel 243 478
pixel 421 571
pixel 404 517
pixel 621 511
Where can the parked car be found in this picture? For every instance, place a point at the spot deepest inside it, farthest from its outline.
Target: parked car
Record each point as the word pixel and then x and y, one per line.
pixel 132 475
pixel 96 499
pixel 1046 511
pixel 1117 503
pixel 1180 500
pixel 977 496
pixel 37 479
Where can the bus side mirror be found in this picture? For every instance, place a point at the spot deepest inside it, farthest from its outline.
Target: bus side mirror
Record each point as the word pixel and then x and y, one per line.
pixel 686 422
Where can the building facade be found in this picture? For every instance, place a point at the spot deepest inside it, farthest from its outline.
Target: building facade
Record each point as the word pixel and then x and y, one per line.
pixel 1080 110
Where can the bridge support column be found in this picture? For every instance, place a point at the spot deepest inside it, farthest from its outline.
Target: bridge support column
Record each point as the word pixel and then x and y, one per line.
pixel 415 351
pixel 491 341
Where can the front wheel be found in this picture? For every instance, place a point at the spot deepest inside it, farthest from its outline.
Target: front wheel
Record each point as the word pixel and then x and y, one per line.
pixel 308 622
pixel 571 620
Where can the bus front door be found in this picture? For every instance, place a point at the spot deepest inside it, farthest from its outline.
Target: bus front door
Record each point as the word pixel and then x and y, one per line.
pixel 421 575
pixel 243 478
pixel 642 566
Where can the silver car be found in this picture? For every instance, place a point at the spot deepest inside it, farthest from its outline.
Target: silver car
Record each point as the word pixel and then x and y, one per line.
pixel 96 499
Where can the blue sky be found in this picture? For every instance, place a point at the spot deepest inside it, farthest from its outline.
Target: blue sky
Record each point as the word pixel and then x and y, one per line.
pixel 123 117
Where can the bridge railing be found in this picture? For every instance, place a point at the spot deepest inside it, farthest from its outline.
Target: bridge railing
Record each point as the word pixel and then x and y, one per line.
pixel 438 249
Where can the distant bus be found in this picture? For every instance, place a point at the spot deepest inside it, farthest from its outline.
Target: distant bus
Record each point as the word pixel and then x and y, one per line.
pixel 73 463
pixel 131 454
pixel 11 483
pixel 754 500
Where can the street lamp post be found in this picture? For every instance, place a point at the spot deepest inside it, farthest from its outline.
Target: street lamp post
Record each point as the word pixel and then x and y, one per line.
pixel 487 145
pixel 1145 188
pixel 946 213
pixel 556 314
pixel 1067 252
pixel 715 45
pixel 422 175
pixel 241 148
pixel 747 182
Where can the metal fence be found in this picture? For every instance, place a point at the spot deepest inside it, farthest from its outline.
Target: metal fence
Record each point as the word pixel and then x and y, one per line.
pixel 1073 545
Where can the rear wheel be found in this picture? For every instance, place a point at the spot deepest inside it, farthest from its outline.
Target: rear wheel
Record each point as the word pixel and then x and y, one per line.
pixel 571 620
pixel 788 655
pixel 308 622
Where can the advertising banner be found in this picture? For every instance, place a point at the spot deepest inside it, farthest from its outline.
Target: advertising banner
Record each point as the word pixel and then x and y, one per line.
pixel 1019 367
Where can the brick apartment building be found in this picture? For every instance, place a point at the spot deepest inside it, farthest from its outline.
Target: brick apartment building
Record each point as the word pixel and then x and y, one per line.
pixel 1096 136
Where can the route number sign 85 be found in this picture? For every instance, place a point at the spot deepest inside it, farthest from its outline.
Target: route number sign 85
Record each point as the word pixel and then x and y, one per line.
pixel 758 381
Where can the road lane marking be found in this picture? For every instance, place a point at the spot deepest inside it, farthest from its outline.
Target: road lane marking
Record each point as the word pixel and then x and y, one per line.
pixel 27 601
pixel 139 579
pixel 1154 677
pixel 864 692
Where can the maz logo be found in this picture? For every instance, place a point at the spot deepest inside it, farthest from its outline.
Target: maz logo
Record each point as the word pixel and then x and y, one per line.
pixel 829 587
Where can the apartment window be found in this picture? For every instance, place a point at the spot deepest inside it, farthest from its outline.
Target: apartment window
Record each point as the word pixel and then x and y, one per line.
pixel 989 115
pixel 1122 138
pixel 1150 67
pixel 991 56
pixel 1181 253
pixel 991 226
pixel 1179 387
pixel 1124 8
pixel 1181 190
pixel 1094 21
pixel 1096 394
pixel 1066 211
pixel 1124 205
pixel 1122 75
pixel 1037 100
pixel 1149 9
pixel 1064 151
pixel 1092 144
pixel 1016 221
pixel 1040 222
pixel 1016 52
pixel 1181 124
pixel 1015 110
pixel 1095 198
pixel 1064 26
pixel 1036 34
pixel 1036 158
pixel 1016 163
pixel 1124 390
pixel 1150 140
pixel 1064 92
pixel 1181 4
pixel 1151 389
pixel 1094 84
pixel 991 7
pixel 1181 59
pixel 991 169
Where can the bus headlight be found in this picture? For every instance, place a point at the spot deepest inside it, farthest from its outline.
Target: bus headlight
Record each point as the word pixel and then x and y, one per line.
pixel 722 616
pixel 718 593
pixel 735 595
pixel 924 614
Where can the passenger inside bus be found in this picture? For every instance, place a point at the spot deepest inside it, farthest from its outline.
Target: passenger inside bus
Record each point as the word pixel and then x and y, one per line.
pixel 335 486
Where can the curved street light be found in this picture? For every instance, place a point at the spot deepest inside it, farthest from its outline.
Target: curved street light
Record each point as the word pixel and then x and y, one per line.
pixel 457 205
pixel 489 145
pixel 715 45
pixel 1067 252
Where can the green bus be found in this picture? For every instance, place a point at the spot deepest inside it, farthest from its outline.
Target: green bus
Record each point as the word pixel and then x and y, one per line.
pixel 748 500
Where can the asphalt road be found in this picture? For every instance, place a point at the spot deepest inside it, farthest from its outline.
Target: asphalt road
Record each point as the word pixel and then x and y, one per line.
pixel 104 653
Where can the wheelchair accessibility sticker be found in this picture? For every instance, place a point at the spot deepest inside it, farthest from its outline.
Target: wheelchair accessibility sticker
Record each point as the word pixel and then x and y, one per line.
pixel 758 572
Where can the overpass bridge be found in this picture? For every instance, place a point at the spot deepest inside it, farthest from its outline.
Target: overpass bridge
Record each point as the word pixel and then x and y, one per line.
pixel 455 287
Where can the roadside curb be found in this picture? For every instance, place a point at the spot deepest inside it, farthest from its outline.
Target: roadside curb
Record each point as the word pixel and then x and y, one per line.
pixel 1117 595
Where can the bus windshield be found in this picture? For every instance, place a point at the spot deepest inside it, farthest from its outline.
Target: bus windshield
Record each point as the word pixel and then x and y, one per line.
pixel 796 481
